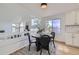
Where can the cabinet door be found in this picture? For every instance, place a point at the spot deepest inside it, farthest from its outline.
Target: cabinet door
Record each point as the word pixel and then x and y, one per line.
pixel 70 18
pixel 68 38
pixel 76 40
pixel 77 16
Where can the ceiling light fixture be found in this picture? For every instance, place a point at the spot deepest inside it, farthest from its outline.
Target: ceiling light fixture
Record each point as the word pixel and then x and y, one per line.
pixel 43 5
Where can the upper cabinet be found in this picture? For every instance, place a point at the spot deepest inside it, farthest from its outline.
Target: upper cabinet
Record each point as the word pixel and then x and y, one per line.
pixel 77 16
pixel 70 18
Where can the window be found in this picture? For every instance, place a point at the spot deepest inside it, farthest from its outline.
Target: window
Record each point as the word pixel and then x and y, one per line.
pixel 49 26
pixel 13 27
pixel 21 27
pixel 53 25
pixel 35 23
pixel 56 25
pixel 50 23
pixel 18 27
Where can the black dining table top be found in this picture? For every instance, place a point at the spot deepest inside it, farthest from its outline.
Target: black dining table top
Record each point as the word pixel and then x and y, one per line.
pixel 39 36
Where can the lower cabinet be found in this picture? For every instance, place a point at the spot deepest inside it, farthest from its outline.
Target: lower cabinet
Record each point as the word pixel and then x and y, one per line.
pixel 68 39
pixel 76 40
pixel 72 39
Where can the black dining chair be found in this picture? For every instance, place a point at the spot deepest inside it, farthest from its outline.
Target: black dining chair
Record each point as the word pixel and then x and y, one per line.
pixel 44 43
pixel 53 36
pixel 25 34
pixel 30 42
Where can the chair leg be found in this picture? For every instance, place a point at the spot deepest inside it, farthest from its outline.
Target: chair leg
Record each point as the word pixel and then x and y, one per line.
pixel 48 52
pixel 29 46
pixel 54 43
pixel 40 51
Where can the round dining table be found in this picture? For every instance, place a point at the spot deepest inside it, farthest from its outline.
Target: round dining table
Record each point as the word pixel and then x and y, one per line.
pixel 37 37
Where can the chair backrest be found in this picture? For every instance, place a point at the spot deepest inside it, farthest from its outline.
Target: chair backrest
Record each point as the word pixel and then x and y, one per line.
pixel 44 41
pixel 27 28
pixel 53 34
pixel 28 34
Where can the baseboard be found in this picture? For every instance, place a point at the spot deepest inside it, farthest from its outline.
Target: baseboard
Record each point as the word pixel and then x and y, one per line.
pixel 59 41
pixel 66 44
pixel 17 50
pixel 72 46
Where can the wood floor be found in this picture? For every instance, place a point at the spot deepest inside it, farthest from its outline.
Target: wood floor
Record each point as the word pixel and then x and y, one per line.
pixel 61 49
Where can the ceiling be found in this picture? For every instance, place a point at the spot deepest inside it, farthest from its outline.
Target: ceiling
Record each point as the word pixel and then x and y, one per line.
pixel 52 9
pixel 10 12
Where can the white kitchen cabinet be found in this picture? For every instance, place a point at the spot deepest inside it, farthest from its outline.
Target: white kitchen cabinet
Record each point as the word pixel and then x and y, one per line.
pixel 72 39
pixel 76 40
pixel 70 18
pixel 68 38
pixel 77 16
